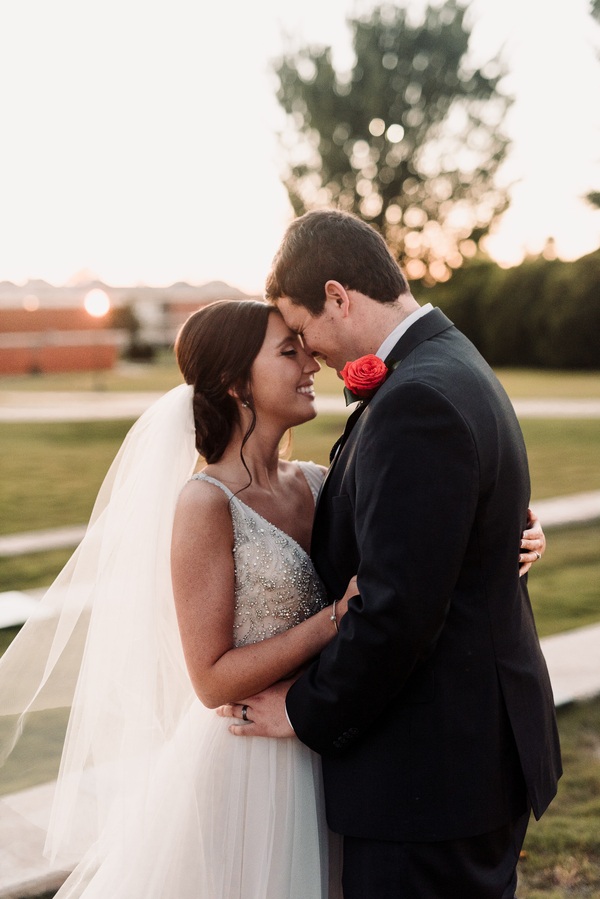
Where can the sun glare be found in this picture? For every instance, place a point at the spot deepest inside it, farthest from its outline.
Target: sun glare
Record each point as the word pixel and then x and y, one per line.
pixel 96 303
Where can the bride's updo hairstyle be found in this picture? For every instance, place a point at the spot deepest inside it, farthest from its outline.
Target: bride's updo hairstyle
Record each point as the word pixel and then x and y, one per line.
pixel 215 349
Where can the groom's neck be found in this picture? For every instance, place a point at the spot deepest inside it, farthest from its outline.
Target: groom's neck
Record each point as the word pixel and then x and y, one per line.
pixel 374 321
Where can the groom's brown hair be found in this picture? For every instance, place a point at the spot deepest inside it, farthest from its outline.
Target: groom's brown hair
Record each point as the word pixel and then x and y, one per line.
pixel 328 244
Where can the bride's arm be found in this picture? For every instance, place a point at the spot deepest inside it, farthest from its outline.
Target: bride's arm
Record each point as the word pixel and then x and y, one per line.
pixel 203 585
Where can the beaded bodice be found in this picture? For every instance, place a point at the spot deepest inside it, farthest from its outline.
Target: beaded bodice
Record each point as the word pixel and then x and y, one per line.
pixel 276 585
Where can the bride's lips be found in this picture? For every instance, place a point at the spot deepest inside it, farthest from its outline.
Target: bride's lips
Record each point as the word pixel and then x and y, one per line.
pixel 306 390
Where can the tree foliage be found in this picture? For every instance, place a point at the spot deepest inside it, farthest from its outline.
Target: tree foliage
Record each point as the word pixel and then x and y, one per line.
pixel 541 314
pixel 410 139
pixel 124 318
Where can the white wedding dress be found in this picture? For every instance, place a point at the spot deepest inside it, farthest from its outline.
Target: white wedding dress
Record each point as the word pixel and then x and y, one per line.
pixel 229 817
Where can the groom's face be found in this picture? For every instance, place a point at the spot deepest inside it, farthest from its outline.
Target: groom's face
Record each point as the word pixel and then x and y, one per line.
pixel 320 334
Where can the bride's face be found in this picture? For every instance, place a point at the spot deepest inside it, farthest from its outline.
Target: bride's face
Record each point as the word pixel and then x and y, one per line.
pixel 282 377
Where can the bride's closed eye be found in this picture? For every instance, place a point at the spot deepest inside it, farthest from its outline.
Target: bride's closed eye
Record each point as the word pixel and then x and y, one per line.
pixel 289 352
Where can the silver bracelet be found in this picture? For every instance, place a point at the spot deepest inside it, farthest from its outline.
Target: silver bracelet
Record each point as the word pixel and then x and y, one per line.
pixel 333 616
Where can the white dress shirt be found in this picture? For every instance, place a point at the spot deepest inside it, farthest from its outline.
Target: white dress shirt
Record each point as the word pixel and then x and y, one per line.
pixel 392 339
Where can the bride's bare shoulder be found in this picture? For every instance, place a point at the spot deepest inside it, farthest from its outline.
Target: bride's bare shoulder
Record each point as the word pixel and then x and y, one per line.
pixel 297 463
pixel 200 496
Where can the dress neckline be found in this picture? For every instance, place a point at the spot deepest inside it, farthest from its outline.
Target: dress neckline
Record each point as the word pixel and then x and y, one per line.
pixel 231 495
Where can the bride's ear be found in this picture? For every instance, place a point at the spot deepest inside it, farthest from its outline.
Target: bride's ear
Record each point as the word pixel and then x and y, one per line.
pixel 337 298
pixel 240 394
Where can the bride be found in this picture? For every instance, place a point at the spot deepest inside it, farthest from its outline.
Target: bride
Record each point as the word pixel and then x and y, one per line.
pixel 188 592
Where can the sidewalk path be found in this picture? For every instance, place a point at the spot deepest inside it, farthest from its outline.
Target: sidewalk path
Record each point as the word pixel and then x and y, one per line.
pixel 29 406
pixel 575 508
pixel 572 509
pixel 40 541
pixel 573 660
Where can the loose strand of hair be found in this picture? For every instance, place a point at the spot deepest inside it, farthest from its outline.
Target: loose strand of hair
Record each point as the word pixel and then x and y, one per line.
pixel 245 439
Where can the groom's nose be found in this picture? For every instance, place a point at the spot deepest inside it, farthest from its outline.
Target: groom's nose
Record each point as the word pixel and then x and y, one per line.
pixel 312 364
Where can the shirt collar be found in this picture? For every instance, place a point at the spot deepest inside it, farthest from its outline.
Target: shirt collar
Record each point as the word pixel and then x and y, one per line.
pixel 392 339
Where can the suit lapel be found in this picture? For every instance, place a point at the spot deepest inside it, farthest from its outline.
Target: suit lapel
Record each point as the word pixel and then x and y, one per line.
pixel 350 422
pixel 428 326
pixel 423 329
pixel 337 447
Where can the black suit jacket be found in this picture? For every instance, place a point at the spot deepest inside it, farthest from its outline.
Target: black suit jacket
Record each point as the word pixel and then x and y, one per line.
pixel 432 709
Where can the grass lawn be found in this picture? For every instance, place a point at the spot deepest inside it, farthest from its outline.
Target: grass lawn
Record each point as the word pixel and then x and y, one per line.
pixel 37 755
pixel 564 587
pixel 51 472
pixel 160 375
pixel 564 455
pixel 562 850
pixel 163 374
pixel 529 383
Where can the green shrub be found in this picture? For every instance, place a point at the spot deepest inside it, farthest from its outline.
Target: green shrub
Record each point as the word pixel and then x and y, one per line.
pixel 542 313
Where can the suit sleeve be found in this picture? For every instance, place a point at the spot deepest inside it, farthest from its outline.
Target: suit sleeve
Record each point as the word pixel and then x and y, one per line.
pixel 417 486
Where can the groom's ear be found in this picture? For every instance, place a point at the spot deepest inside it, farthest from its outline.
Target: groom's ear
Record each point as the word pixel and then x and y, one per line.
pixel 337 296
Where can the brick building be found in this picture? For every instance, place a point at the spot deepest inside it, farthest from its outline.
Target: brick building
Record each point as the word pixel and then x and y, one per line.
pixel 54 339
pixel 47 329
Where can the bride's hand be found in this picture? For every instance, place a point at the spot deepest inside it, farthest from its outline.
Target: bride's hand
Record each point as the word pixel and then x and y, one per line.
pixel 341 606
pixel 533 543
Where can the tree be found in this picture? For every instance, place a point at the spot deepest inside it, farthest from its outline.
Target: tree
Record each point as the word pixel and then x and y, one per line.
pixel 411 139
pixel 124 318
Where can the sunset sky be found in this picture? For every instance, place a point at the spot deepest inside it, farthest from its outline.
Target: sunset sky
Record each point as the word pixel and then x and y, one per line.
pixel 138 139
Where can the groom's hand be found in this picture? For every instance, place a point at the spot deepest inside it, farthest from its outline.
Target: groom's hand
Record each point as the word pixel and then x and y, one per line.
pixel 262 715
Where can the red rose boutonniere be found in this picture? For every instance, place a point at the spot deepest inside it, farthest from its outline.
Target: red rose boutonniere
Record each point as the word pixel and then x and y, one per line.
pixel 362 377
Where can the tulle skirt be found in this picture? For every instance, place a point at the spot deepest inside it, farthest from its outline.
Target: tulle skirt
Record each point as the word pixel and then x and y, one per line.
pixel 224 818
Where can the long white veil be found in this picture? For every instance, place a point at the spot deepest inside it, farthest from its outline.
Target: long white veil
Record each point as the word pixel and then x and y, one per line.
pixel 105 639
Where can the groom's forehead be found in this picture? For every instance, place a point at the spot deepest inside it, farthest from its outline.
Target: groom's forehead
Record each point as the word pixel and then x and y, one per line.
pixel 295 317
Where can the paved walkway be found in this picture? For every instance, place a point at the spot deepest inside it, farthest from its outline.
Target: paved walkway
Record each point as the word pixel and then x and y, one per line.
pixel 574 508
pixel 29 406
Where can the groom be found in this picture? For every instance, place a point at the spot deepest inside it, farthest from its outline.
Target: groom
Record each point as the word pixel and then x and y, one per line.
pixel 432 710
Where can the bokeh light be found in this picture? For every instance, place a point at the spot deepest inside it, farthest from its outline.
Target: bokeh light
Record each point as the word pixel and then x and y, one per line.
pixel 96 303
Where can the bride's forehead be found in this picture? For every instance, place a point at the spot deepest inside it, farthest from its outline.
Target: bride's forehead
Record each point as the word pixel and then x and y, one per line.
pixel 277 329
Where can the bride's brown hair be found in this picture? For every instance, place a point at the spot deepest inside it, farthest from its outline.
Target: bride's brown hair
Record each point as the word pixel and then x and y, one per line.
pixel 215 349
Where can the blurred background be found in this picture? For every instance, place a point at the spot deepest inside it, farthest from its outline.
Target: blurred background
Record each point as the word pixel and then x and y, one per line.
pixel 152 155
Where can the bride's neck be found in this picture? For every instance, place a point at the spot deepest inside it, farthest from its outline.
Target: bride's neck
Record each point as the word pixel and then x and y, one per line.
pixel 261 457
